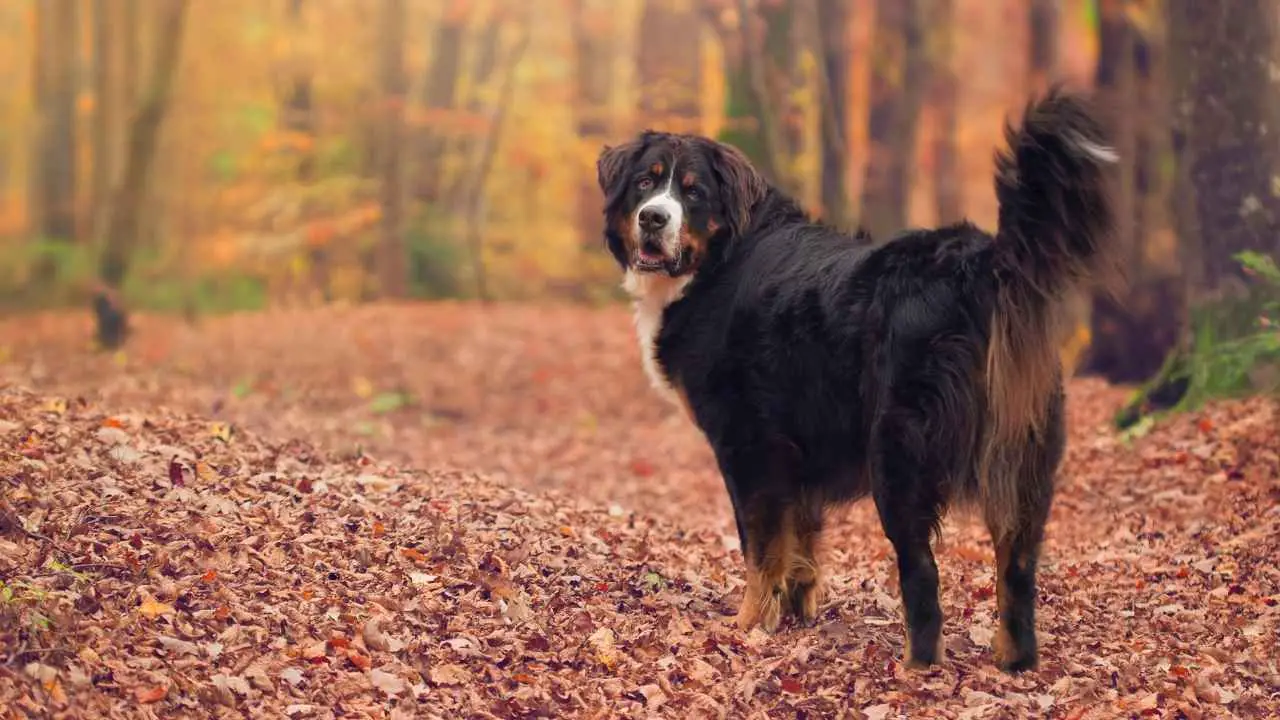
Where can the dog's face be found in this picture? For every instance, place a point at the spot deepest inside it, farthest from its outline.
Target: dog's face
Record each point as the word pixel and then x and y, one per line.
pixel 669 197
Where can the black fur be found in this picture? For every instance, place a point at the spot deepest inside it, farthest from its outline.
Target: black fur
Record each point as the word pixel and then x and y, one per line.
pixel 823 369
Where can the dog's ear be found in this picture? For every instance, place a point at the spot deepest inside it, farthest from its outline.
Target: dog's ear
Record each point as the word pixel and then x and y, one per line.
pixel 742 187
pixel 611 166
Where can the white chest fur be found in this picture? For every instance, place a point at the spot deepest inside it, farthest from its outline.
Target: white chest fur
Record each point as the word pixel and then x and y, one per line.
pixel 651 295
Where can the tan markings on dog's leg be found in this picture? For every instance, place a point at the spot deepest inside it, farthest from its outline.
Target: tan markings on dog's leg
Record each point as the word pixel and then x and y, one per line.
pixel 767 583
pixel 806 574
pixel 1002 644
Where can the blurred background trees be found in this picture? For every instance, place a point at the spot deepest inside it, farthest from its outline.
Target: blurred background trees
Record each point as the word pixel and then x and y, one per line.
pixel 293 152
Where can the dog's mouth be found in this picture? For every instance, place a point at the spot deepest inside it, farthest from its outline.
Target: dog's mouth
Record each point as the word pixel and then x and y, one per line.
pixel 651 258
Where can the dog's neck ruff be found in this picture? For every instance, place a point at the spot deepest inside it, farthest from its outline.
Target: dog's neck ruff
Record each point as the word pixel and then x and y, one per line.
pixel 651 294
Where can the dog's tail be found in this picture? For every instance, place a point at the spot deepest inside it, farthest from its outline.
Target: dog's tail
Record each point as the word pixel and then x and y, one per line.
pixel 1053 237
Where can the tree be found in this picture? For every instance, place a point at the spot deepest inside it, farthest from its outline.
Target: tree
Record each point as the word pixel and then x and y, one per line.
pixel 297 112
pixel 832 17
pixel 56 44
pixel 592 28
pixel 898 76
pixel 944 91
pixel 439 95
pixel 1224 107
pixel 1132 331
pixel 669 64
pixel 129 196
pixel 106 113
pixel 1044 42
pixel 393 86
pixel 763 45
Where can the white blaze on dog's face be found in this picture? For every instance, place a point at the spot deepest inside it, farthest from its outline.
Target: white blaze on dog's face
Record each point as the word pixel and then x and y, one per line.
pixel 659 220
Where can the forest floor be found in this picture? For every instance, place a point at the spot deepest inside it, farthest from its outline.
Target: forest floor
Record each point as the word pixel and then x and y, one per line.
pixel 452 512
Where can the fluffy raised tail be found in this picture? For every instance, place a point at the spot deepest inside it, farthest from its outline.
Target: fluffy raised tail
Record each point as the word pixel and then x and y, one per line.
pixel 1054 236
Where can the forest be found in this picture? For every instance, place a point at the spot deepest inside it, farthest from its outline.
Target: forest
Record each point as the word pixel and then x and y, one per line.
pixel 319 392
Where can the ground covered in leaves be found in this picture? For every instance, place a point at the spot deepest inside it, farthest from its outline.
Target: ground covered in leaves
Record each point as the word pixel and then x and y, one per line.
pixel 459 512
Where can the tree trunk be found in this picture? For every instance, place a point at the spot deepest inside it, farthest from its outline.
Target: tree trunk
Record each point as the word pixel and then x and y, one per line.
pixel 833 18
pixel 1044 43
pixel 106 116
pixel 592 28
pixel 488 149
pixel 669 64
pixel 1224 106
pixel 482 71
pixel 742 126
pixel 58 44
pixel 946 182
pixel 770 150
pixel 898 76
pixel 130 53
pixel 299 117
pixel 438 99
pixel 391 79
pixel 1131 334
pixel 129 196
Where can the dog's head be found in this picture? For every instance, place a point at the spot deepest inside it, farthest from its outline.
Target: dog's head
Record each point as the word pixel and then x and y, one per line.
pixel 670 197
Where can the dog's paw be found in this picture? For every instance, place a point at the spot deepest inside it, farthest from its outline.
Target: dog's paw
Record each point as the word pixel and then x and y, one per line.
pixel 761 607
pixel 924 658
pixel 1008 657
pixel 805 601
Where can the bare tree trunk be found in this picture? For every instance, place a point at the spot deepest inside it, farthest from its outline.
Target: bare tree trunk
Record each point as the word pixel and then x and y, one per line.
pixel 130 57
pixel 591 100
pixel 298 111
pixel 475 206
pixel 128 198
pixel 771 158
pixel 391 79
pixel 1044 18
pixel 669 64
pixel 1131 334
pixel 899 74
pixel 482 71
pixel 41 49
pixel 946 155
pixel 59 42
pixel 833 18
pixel 106 117
pixel 438 98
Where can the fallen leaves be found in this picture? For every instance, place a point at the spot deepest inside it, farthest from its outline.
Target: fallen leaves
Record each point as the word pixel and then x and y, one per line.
pixel 151 694
pixel 159 552
pixel 150 608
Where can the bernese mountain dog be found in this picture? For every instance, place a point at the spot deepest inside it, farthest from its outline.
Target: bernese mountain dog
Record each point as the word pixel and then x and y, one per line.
pixel 823 367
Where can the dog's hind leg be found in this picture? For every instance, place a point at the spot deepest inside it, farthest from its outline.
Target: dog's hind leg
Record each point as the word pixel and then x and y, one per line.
pixel 907 487
pixel 1017 542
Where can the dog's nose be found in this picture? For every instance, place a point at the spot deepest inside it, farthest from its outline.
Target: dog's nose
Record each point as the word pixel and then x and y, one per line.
pixel 654 218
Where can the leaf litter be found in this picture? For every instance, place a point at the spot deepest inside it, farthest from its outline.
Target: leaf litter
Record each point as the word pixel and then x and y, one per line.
pixel 531 534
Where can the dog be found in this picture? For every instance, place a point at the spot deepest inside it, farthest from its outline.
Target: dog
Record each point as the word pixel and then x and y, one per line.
pixel 823 367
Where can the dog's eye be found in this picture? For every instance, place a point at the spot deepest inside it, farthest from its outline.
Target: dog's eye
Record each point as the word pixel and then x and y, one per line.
pixel 693 193
pixel 645 183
